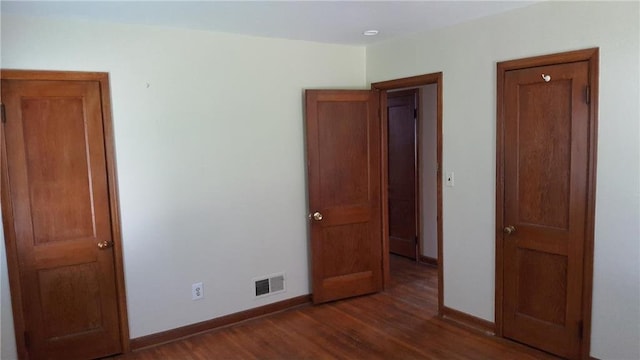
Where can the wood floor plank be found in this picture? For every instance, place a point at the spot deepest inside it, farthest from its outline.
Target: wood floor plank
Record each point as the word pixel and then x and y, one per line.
pixel 400 323
pixel 334 344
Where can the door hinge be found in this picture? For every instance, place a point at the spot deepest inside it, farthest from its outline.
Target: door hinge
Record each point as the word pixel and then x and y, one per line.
pixel 27 340
pixel 580 329
pixel 588 94
pixel 3 114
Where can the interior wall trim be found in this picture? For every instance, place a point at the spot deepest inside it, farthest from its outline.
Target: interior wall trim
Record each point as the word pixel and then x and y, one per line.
pixel 469 321
pixel 428 260
pixel 383 87
pixel 198 328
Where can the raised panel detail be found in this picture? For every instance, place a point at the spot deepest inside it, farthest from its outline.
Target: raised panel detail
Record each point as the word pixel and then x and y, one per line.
pixel 70 299
pixel 344 159
pixel 542 286
pixel 339 245
pixel 58 168
pixel 544 155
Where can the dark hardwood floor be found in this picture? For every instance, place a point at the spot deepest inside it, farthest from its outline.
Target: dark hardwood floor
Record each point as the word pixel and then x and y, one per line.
pixel 401 323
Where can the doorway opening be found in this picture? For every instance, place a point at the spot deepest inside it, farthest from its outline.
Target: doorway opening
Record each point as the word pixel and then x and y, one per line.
pixel 411 171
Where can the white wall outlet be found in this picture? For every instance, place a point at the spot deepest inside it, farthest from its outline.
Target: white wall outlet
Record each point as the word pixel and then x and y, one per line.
pixel 197 291
pixel 449 179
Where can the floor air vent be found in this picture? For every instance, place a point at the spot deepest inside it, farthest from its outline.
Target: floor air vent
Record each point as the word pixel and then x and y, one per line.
pixel 269 285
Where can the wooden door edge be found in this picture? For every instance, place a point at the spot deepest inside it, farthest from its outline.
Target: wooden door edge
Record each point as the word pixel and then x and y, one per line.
pixel 587 297
pixel 383 86
pixel 7 215
pixel 440 236
pixel 591 56
pixel 418 175
pixel 499 200
pixel 384 184
pixel 11 253
pixel 114 208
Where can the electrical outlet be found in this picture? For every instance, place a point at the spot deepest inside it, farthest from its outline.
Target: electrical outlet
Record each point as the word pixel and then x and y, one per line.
pixel 197 291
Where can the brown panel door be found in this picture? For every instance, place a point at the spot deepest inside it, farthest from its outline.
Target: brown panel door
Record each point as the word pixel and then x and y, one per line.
pixel 343 153
pixel 403 225
pixel 545 198
pixel 60 204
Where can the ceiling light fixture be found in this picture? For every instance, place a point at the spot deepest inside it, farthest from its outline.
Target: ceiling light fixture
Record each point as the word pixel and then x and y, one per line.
pixel 370 33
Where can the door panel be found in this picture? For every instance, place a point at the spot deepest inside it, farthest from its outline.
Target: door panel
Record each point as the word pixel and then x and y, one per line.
pixel 545 199
pixel 343 153
pixel 403 225
pixel 45 121
pixel 342 166
pixel 59 195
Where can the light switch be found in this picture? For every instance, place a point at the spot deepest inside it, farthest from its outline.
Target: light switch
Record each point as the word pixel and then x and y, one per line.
pixel 449 179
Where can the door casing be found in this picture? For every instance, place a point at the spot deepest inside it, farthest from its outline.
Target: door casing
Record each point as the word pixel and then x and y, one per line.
pixel 383 87
pixel 7 215
pixel 592 57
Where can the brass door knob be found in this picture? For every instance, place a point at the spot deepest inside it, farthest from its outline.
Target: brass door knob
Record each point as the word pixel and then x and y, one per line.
pixel 317 216
pixel 102 245
pixel 509 229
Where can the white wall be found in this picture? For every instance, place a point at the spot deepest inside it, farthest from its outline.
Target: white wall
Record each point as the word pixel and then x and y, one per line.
pixel 210 155
pixel 467 55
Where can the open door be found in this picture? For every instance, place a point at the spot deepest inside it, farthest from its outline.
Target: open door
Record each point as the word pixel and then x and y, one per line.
pixel 59 206
pixel 402 122
pixel 343 161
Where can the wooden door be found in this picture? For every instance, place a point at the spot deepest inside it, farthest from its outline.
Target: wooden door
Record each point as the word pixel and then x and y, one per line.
pixel 343 154
pixel 59 203
pixel 546 192
pixel 402 172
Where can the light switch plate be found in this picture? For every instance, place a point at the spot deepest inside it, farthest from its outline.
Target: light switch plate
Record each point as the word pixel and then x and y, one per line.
pixel 449 179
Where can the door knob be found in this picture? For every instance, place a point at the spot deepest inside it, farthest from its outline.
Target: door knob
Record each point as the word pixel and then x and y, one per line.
pixel 509 229
pixel 317 216
pixel 105 244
